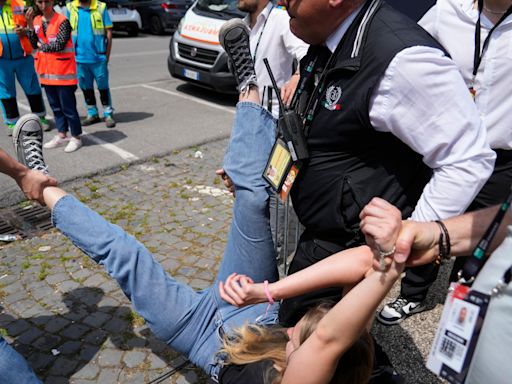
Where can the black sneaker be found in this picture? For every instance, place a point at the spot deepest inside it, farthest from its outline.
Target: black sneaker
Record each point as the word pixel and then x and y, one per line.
pixel 89 120
pixel 398 310
pixel 234 38
pixel 28 142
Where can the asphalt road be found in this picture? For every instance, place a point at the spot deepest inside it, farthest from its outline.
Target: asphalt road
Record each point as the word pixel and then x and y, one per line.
pixel 156 114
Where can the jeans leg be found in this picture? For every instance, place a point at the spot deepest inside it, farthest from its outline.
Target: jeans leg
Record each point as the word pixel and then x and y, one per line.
pixel 52 94
pixel 250 249
pixel 68 105
pixel 13 367
pixel 166 304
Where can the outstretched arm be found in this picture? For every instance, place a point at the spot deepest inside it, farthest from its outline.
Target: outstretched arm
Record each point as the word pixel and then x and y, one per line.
pixel 345 322
pixel 30 182
pixel 339 329
pixel 380 221
pixel 343 268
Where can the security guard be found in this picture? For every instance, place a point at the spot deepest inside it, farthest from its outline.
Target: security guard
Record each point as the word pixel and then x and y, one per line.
pixel 92 38
pixel 16 61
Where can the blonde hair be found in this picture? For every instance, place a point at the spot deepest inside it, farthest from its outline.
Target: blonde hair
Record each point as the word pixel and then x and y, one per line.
pixel 252 343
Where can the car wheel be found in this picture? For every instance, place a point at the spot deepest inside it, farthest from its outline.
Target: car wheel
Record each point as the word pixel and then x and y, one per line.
pixel 133 32
pixel 155 25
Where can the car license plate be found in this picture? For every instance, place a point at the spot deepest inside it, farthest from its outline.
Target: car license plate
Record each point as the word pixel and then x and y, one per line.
pixel 118 11
pixel 190 74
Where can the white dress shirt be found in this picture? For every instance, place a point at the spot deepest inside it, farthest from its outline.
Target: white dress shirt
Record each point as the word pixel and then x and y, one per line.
pixel 279 45
pixel 452 23
pixel 423 100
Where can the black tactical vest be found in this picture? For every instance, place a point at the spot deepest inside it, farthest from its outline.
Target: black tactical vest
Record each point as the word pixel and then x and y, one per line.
pixel 350 162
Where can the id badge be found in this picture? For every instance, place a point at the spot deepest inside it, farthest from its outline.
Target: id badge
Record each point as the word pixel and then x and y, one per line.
pixel 280 170
pixel 458 332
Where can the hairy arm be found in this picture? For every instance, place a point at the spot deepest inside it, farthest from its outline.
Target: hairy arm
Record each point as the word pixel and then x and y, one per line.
pixel 418 242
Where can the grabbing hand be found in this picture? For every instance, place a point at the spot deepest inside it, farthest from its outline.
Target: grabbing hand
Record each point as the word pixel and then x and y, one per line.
pixel 417 243
pixel 228 183
pixel 32 183
pixel 380 223
pixel 240 290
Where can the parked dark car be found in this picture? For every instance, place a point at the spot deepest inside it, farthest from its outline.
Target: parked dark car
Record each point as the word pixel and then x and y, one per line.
pixel 159 16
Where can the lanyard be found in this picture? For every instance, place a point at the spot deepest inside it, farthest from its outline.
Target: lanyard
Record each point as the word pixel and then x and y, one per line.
pixel 477 260
pixel 478 55
pixel 261 34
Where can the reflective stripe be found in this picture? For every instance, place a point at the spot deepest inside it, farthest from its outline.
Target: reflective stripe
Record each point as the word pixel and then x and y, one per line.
pixel 57 77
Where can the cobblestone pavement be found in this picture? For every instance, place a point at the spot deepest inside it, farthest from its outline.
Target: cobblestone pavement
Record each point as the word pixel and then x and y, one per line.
pixel 73 323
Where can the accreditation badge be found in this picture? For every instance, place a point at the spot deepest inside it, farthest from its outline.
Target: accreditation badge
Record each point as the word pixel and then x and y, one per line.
pixel 280 172
pixel 456 338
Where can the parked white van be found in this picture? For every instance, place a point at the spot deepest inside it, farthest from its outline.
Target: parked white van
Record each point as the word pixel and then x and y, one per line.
pixel 195 52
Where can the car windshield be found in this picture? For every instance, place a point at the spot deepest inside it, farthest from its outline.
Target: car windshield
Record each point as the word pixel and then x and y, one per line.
pixel 220 6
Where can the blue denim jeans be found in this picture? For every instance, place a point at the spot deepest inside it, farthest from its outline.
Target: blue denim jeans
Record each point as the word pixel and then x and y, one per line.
pixel 192 322
pixel 63 103
pixel 13 367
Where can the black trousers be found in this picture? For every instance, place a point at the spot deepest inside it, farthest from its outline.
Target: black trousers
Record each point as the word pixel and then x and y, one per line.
pixel 417 280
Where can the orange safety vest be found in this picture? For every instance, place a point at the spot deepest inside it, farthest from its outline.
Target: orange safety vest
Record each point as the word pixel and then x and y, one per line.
pixel 17 15
pixel 54 68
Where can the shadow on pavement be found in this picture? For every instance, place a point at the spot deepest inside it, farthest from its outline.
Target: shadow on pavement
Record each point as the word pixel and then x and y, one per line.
pixel 59 345
pixel 128 117
pixel 110 136
pixel 226 100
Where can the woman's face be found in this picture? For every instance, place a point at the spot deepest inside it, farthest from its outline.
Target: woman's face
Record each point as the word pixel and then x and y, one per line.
pixel 294 335
pixel 44 5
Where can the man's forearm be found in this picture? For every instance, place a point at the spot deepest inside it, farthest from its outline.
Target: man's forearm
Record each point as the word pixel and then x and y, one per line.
pixel 467 230
pixel 11 167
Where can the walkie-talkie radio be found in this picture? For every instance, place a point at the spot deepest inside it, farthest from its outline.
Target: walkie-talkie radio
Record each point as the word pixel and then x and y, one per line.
pixel 290 125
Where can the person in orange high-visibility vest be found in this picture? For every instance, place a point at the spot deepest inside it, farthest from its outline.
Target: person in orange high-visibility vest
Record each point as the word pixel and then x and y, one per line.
pixel 50 34
pixel 16 62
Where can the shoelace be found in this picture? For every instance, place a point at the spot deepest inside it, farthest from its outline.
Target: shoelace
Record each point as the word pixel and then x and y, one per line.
pixel 241 55
pixel 34 153
pixel 398 303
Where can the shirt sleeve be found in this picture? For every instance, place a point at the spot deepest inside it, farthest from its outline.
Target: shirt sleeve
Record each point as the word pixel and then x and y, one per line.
pixel 423 100
pixel 62 38
pixel 107 22
pixel 428 21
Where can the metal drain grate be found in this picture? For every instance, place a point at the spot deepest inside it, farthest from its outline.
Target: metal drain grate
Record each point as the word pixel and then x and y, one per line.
pixel 25 222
